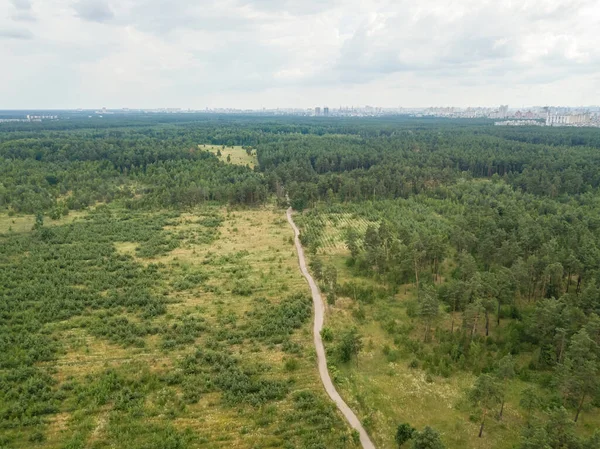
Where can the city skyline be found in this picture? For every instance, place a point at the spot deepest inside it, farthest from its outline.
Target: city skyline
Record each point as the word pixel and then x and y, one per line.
pixel 502 115
pixel 309 108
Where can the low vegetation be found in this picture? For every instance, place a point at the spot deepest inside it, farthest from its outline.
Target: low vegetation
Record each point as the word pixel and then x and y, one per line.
pixel 157 345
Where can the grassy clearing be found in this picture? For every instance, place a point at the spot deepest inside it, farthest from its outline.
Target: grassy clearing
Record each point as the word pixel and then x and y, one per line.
pixel 236 154
pixel 253 258
pixel 24 223
pixel 126 378
pixel 386 393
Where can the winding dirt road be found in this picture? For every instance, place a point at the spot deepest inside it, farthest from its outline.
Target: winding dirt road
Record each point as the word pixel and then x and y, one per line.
pixel 319 307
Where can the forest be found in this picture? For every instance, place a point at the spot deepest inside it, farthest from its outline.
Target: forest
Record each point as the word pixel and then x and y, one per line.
pixel 149 293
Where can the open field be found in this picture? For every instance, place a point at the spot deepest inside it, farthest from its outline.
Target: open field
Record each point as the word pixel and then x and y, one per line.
pixel 236 154
pixel 24 223
pixel 233 292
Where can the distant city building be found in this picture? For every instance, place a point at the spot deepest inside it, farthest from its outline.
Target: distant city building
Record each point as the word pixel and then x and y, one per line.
pixel 501 112
pixel 317 111
pixel 519 123
pixel 577 119
pixel 39 118
pixel 326 111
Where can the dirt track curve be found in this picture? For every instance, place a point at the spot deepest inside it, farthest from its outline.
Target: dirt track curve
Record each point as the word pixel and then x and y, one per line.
pixel 319 307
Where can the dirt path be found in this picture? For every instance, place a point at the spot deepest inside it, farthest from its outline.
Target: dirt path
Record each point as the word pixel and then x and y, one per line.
pixel 319 307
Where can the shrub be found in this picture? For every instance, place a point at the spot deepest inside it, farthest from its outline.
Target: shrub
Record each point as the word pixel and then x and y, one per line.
pixel 404 432
pixel 291 365
pixel 327 334
pixel 37 437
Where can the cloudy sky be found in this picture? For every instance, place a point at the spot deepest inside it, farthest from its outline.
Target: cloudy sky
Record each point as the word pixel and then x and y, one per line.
pixel 300 53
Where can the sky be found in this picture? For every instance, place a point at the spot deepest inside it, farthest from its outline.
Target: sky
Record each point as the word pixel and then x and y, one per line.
pixel 298 53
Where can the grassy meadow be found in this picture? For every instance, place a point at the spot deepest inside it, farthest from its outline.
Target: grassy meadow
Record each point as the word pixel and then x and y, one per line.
pixel 218 354
pixel 236 154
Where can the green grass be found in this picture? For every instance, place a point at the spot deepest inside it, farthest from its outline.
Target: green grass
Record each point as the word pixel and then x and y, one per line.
pixel 24 223
pixel 237 155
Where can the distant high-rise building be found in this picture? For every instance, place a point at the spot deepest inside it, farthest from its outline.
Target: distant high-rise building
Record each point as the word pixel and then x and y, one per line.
pixel 317 111
pixel 325 110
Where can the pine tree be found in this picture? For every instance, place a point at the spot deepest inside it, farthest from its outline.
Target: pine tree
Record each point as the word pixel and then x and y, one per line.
pixel 485 394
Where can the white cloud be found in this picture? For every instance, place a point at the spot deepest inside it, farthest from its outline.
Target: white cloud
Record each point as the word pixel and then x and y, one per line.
pixel 21 4
pixel 16 33
pixel 93 10
pixel 254 53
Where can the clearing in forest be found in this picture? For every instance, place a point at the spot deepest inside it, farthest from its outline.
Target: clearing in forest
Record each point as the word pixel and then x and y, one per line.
pixel 236 154
pixel 327 231
pixel 199 335
pixel 24 223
